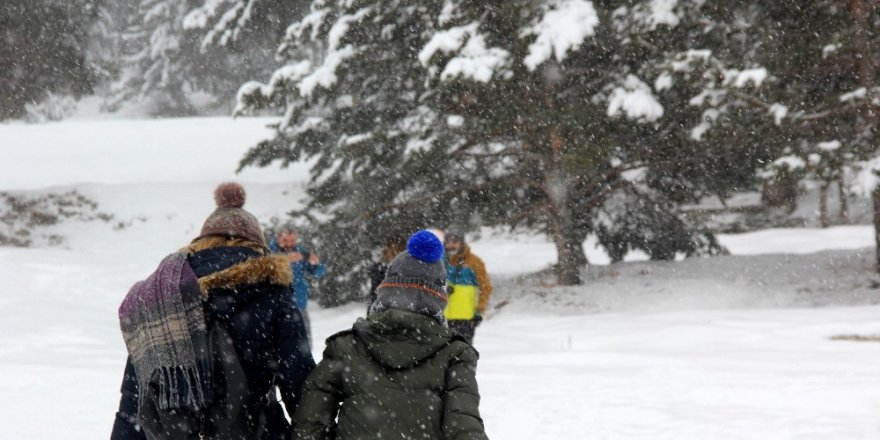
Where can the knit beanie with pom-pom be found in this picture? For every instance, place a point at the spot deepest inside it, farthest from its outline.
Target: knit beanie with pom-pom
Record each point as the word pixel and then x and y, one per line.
pixel 416 279
pixel 229 219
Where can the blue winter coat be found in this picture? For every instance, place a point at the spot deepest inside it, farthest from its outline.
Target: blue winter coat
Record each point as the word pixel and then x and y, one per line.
pixel 268 335
pixel 301 271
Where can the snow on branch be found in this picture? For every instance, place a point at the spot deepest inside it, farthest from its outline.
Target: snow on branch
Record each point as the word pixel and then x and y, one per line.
pixel 663 82
pixel 829 146
pixel 198 17
pixel 779 112
pixel 687 61
pixel 473 59
pixel 340 28
pixel 312 21
pixel 662 12
pixel 859 93
pixel 325 75
pixel 253 94
pixel 742 78
pixel 647 16
pixel 635 100
pixel 563 28
pixel 790 162
pixel 447 41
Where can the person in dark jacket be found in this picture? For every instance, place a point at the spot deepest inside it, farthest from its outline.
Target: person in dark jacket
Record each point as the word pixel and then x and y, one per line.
pixel 400 373
pixel 211 335
pixel 394 245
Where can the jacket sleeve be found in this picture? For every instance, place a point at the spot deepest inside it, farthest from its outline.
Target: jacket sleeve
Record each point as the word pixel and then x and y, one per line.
pixel 315 417
pixel 125 426
pixel 461 405
pixel 484 284
pixel 296 360
pixel 316 270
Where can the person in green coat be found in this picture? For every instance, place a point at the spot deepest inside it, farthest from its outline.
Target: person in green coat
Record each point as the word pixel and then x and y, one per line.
pixel 400 373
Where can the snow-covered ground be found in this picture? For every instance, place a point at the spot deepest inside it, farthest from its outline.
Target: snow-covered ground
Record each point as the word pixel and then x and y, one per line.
pixel 733 347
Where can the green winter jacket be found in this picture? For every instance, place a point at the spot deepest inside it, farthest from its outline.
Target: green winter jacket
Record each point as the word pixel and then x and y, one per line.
pixel 395 375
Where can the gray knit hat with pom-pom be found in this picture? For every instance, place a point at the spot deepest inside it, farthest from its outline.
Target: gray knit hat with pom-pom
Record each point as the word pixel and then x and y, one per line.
pixel 229 219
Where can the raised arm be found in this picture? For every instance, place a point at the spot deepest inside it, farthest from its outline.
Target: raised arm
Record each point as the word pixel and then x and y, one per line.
pixel 316 270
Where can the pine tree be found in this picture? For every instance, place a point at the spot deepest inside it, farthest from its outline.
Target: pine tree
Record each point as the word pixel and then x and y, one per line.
pixel 824 55
pixel 355 97
pixel 43 51
pixel 179 49
pixel 238 38
pixel 808 56
pixel 157 64
pixel 588 125
pixel 525 114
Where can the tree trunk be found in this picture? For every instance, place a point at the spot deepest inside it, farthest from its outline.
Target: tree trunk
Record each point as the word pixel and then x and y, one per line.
pixel 823 205
pixel 569 252
pixel 576 241
pixel 557 184
pixel 875 195
pixel 843 216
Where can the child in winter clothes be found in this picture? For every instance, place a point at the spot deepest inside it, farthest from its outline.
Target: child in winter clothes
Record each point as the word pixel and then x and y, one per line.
pixel 211 335
pixel 400 373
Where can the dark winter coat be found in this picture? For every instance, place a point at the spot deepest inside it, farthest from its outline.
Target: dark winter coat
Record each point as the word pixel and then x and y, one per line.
pixel 395 375
pixel 247 297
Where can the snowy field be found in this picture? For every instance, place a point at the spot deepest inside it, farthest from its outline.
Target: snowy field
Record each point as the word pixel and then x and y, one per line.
pixel 733 347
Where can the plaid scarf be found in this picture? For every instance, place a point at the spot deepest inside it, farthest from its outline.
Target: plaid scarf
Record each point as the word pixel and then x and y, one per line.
pixel 164 328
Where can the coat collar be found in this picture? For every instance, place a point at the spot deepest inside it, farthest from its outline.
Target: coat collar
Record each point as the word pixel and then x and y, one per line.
pixel 272 269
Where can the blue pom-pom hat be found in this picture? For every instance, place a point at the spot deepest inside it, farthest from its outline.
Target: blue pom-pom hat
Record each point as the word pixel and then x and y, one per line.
pixel 425 246
pixel 416 279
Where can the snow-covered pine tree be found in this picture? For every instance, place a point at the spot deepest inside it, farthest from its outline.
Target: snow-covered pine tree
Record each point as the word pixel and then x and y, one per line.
pixel 524 113
pixel 195 53
pixel 43 52
pixel 595 97
pixel 158 63
pixel 356 99
pixel 239 37
pixel 105 46
pixel 825 54
pixel 814 103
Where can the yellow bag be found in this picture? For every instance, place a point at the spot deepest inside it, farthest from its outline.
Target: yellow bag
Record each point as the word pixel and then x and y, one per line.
pixel 462 303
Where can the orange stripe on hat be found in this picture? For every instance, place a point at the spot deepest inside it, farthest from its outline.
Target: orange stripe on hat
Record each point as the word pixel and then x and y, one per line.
pixel 440 295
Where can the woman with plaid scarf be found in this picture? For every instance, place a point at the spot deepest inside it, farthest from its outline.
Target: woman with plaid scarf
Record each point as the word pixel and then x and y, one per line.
pixel 211 335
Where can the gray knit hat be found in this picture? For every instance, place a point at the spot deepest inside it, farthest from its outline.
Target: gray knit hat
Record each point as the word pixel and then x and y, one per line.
pixel 415 279
pixel 229 219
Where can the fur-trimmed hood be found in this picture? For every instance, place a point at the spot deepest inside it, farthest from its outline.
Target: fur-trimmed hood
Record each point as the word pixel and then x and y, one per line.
pixel 230 267
pixel 272 269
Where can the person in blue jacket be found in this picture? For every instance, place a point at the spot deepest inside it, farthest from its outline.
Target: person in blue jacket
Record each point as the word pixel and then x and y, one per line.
pixel 304 264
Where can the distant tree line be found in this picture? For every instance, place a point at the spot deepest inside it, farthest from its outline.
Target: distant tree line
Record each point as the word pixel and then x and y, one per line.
pixel 172 57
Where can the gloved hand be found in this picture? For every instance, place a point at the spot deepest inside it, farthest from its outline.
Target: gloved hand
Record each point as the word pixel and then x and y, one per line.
pixel 477 319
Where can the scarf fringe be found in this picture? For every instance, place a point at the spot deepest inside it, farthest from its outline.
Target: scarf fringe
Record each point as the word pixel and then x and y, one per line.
pixel 181 387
